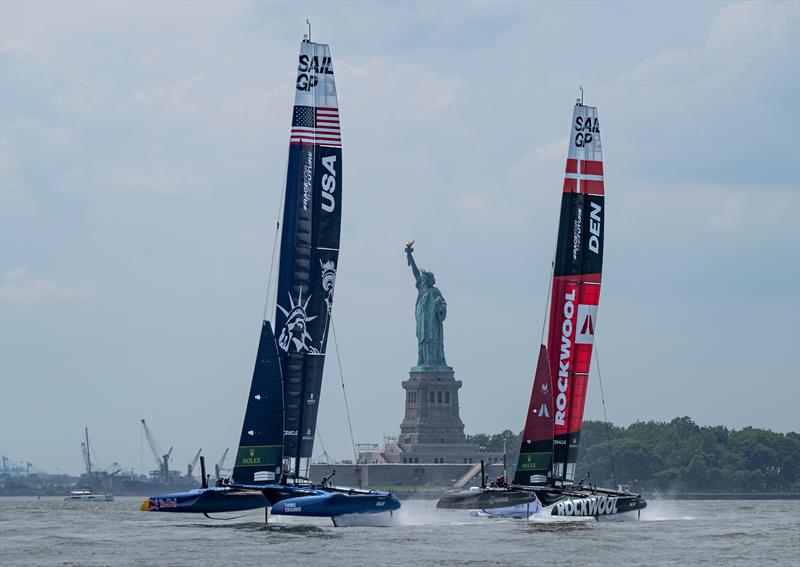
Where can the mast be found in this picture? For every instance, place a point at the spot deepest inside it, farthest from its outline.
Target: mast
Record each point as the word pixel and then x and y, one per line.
pixel 309 245
pixel 88 454
pixel 575 291
pixel 309 255
pixel 290 359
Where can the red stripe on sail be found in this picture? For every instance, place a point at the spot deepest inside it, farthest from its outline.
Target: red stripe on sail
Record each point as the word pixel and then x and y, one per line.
pixel 588 186
pixel 592 187
pixel 296 133
pixel 591 167
pixel 588 166
pixel 317 138
pixel 572 166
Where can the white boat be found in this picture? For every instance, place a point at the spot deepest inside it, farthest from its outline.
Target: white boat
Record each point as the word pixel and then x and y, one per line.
pixel 87 494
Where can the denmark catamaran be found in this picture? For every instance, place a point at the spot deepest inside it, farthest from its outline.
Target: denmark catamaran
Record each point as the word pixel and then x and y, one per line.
pixel 544 481
pixel 281 416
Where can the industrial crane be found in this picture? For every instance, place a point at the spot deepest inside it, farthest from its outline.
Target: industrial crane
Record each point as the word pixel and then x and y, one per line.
pixel 190 468
pixel 161 458
pixel 218 466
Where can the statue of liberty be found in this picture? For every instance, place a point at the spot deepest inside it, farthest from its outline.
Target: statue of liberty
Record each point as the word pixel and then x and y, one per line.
pixel 430 312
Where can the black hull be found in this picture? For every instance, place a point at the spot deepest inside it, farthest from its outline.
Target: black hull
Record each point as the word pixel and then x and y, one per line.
pixel 589 502
pixel 557 501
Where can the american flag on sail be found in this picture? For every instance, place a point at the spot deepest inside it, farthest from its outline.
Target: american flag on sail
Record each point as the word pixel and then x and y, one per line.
pixel 312 125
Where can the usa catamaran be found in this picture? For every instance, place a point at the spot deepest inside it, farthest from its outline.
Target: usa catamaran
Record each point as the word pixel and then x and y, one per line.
pixel 544 482
pixel 281 416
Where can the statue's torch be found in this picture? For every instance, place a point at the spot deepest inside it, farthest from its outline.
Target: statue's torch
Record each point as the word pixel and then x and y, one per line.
pixel 409 250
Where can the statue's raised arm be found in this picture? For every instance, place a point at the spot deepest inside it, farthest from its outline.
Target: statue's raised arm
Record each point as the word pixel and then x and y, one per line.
pixel 410 258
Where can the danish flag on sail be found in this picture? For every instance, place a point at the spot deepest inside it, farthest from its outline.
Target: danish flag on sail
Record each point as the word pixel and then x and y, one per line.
pixel 576 285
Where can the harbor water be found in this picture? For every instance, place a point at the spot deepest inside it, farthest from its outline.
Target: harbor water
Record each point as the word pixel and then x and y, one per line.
pixel 49 531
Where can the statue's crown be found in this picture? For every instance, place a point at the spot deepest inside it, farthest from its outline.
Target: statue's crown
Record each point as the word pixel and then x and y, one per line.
pixel 296 312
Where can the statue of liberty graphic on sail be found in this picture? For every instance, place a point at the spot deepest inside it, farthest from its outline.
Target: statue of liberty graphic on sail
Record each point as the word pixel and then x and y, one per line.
pixel 295 331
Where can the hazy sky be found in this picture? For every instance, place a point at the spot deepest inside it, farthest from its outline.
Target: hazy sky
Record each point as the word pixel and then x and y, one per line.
pixel 143 156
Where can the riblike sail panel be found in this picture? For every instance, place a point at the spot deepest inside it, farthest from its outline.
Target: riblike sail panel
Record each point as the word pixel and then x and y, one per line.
pixel 260 454
pixel 536 449
pixel 309 254
pixel 576 285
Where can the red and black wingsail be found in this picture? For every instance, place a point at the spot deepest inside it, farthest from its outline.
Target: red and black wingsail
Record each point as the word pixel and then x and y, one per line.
pixel 576 286
pixel 536 448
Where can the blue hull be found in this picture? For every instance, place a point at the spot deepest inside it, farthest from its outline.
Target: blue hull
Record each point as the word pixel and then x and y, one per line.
pixel 332 504
pixel 206 500
pixel 287 500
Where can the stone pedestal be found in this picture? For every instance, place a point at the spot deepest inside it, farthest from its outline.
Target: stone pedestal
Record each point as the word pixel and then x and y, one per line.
pixel 432 431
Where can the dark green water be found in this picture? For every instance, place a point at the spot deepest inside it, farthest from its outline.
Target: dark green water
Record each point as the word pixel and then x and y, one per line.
pixel 53 532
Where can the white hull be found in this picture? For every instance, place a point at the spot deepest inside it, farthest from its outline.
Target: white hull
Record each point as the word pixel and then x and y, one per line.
pixel 382 520
pixel 535 512
pixel 519 511
pixel 87 496
pixel 548 515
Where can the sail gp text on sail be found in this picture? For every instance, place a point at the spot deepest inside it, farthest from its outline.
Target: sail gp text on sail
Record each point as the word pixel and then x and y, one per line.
pixel 567 328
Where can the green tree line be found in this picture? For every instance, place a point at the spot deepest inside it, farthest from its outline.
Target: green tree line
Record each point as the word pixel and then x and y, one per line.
pixel 677 456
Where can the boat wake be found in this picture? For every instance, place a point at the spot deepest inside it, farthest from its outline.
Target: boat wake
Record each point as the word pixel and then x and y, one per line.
pixel 558 526
pixel 664 511
pixel 416 515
